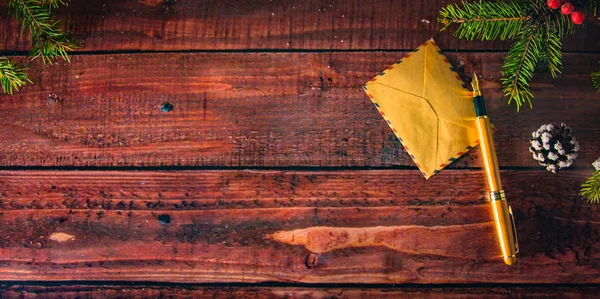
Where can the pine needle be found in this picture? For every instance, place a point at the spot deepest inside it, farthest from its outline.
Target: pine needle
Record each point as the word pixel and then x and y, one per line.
pixel 54 4
pixel 590 189
pixel 538 31
pixel 596 80
pixel 49 41
pixel 520 64
pixel 485 20
pixel 12 75
pixel 552 49
pixel 591 7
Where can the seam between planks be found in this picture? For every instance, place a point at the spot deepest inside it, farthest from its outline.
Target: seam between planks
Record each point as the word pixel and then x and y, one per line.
pixel 263 168
pixel 6 284
pixel 225 51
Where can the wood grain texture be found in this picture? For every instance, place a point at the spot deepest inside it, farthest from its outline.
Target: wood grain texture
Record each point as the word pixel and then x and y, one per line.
pixel 275 85
pixel 258 109
pixel 248 24
pixel 214 226
pixel 128 291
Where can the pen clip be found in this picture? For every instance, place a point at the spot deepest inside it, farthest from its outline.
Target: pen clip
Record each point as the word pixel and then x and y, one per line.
pixel 514 230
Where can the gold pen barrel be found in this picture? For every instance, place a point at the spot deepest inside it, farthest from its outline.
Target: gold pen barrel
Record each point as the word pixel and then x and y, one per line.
pixel 488 151
pixel 503 218
pixel 505 229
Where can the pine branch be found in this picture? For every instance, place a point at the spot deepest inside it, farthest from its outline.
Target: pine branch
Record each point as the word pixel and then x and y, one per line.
pixel 54 4
pixel 50 47
pixel 590 189
pixel 590 7
pixel 12 75
pixel 560 22
pixel 520 64
pixel 552 49
pixel 537 28
pixel 48 40
pixel 485 20
pixel 596 80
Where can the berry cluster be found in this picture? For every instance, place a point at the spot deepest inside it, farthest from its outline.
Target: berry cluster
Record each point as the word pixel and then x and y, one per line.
pixel 567 8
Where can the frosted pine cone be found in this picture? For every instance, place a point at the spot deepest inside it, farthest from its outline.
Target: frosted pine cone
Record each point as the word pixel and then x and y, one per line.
pixel 554 147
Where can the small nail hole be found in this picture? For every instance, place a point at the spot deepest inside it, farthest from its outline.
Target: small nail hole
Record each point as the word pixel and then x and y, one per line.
pixel 164 219
pixel 53 98
pixel 166 107
pixel 311 260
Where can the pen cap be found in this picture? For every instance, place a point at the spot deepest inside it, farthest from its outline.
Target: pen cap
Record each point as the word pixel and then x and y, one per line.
pixel 479 106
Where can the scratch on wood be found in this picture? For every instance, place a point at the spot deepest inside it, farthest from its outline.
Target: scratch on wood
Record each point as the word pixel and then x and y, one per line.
pixel 204 105
pixel 151 2
pixel 61 237
pixel 448 241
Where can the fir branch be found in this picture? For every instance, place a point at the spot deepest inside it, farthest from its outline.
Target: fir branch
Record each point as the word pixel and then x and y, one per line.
pixel 485 20
pixel 552 49
pixel 50 47
pixel 520 64
pixel 590 7
pixel 12 75
pixel 33 16
pixel 537 28
pixel 557 20
pixel 590 189
pixel 596 80
pixel 54 4
pixel 48 40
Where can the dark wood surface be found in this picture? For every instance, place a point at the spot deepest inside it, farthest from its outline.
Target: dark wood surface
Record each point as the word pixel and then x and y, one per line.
pixel 258 110
pixel 274 172
pixel 291 226
pixel 117 25
pixel 218 292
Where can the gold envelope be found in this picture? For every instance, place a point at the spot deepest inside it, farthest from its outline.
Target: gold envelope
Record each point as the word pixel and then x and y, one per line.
pixel 427 106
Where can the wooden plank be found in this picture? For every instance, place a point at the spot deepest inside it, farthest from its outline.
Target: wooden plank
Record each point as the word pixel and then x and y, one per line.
pixel 257 109
pixel 248 24
pixel 378 226
pixel 187 291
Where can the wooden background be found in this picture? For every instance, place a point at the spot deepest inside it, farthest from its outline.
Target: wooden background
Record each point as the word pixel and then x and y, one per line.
pixel 274 176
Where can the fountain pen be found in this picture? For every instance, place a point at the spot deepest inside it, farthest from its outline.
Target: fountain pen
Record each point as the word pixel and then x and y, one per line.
pixel 502 212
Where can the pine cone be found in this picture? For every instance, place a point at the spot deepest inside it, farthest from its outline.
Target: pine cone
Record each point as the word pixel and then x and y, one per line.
pixel 554 147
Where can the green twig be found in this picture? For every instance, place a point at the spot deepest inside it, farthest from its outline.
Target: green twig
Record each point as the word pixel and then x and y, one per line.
pixel 537 28
pixel 552 47
pixel 485 20
pixel 596 80
pixel 590 189
pixel 48 40
pixel 519 67
pixel 12 75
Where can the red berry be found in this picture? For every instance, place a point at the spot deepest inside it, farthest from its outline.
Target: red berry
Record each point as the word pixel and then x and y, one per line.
pixel 567 8
pixel 554 4
pixel 577 17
